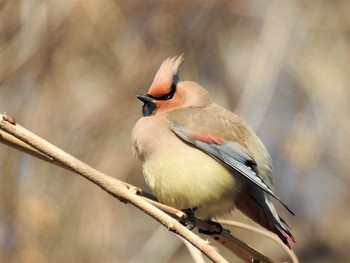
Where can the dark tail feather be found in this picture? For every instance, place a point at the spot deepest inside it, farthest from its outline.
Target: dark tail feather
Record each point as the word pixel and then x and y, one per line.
pixel 260 209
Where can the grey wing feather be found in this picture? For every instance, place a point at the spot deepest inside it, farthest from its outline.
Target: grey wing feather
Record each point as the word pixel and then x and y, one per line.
pixel 235 159
pixel 231 156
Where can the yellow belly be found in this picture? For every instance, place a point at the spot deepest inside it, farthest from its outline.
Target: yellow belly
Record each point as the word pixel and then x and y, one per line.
pixel 191 178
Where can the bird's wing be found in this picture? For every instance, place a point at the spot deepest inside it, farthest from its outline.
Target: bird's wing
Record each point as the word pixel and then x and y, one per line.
pixel 227 151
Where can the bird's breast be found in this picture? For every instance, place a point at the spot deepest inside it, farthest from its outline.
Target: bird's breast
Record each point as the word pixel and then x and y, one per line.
pixel 184 177
pixel 181 175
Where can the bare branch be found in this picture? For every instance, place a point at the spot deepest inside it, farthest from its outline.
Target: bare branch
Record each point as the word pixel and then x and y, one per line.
pixel 111 185
pixel 263 232
pixel 17 137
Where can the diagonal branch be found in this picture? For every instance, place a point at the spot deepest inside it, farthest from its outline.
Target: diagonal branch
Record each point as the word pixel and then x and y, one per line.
pixel 18 137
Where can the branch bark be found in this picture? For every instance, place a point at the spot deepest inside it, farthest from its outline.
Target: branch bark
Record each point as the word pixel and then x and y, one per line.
pixel 21 139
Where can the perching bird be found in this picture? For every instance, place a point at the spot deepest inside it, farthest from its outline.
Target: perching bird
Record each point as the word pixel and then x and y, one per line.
pixel 198 156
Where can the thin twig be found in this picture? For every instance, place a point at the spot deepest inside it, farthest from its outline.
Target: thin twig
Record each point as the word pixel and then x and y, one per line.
pixel 262 232
pixel 17 137
pixel 236 246
pixel 111 185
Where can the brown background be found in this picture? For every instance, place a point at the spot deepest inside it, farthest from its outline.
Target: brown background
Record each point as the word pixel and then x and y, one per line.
pixel 70 70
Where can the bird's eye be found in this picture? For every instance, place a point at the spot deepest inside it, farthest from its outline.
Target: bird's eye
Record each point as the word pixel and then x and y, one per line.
pixel 169 96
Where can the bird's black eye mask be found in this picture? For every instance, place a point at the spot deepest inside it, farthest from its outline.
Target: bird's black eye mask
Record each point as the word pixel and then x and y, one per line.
pixel 149 106
pixel 172 91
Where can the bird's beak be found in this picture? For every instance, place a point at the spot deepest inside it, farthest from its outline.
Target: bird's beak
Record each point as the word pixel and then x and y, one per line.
pixel 146 98
pixel 149 106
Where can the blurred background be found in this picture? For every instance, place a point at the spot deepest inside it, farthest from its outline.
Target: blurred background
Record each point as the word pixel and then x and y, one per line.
pixel 70 70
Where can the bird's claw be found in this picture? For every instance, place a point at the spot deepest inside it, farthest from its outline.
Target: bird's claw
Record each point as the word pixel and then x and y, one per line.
pixel 217 231
pixel 190 218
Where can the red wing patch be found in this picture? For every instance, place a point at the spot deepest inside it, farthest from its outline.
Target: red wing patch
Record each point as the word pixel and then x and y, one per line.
pixel 207 137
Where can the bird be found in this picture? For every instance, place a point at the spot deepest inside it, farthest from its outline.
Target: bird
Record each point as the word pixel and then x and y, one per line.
pixel 201 158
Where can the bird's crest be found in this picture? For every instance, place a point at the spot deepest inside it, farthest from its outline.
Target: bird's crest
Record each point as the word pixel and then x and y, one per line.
pixel 166 77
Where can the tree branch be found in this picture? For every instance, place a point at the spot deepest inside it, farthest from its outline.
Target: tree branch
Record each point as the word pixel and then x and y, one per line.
pixel 21 139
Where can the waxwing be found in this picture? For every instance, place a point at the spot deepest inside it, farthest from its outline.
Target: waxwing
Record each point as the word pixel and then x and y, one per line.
pixel 198 156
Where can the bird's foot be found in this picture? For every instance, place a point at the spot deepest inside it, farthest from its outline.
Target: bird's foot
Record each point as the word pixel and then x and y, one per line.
pixel 217 231
pixel 190 218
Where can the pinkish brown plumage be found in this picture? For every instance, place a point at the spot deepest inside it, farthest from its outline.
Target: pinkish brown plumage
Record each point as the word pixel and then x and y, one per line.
pixel 197 154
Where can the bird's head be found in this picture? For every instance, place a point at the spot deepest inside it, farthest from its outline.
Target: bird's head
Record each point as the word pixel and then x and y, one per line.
pixel 167 93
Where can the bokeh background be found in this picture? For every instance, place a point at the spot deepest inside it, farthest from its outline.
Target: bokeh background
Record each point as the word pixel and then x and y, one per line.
pixel 70 70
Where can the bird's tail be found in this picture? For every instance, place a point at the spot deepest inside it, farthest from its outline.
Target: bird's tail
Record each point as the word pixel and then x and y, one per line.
pixel 258 206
